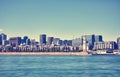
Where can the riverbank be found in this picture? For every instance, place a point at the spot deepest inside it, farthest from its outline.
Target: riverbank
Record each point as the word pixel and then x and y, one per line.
pixel 45 53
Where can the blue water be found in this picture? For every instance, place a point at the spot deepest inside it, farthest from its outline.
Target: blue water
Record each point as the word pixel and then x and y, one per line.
pixel 60 66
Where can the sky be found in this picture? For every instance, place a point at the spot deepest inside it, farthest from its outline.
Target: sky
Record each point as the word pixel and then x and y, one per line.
pixel 66 19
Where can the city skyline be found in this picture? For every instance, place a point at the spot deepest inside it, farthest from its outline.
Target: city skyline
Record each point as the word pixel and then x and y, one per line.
pixel 85 43
pixel 46 37
pixel 65 18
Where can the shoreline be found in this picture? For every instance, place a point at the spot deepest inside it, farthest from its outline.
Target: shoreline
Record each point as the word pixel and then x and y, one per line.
pixel 46 53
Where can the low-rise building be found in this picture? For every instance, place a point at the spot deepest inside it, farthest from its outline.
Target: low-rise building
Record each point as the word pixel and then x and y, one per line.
pixel 104 45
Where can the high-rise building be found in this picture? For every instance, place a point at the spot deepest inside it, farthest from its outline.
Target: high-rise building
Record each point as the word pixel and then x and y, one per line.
pixel 3 37
pixel 77 42
pixel 98 38
pixel 28 42
pixel 118 42
pixel 50 40
pixel 25 38
pixel 43 39
pixel 15 41
pixel 90 39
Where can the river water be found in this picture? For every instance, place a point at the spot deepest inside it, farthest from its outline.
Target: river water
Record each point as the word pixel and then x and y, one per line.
pixel 59 66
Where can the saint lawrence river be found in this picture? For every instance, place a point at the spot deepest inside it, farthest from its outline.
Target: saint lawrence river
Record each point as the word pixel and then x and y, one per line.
pixel 59 66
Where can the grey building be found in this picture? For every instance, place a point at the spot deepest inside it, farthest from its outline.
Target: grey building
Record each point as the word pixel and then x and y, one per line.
pixel 89 38
pixel 77 42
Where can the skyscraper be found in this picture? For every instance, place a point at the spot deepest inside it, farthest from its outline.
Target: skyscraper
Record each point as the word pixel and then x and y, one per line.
pixel 25 39
pixel 50 40
pixel 43 39
pixel 90 39
pixel 118 42
pixel 28 42
pixel 98 38
pixel 3 37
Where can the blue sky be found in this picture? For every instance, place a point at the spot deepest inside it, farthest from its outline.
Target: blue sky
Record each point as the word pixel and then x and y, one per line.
pixel 60 18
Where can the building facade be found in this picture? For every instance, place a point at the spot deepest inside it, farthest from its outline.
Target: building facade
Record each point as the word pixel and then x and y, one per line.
pixel 98 38
pixel 3 38
pixel 105 45
pixel 89 38
pixel 28 42
pixel 15 41
pixel 118 42
pixel 50 40
pixel 43 39
pixel 77 42
pixel 56 41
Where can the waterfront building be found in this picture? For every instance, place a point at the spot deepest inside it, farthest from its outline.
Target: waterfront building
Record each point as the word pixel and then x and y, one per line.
pixel 43 39
pixel 118 42
pixel 15 41
pixel 89 38
pixel 3 37
pixel 105 45
pixel 110 45
pixel 99 45
pixel 50 40
pixel 84 44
